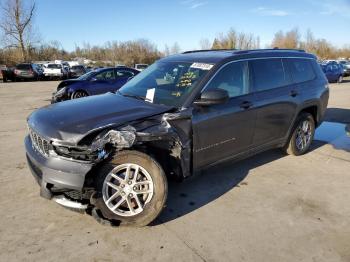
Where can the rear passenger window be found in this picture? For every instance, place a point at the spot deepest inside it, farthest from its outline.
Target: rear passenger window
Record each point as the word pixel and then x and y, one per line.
pixel 268 74
pixel 301 70
pixel 233 78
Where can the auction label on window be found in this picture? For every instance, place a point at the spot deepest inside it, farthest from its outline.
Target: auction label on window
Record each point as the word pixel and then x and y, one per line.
pixel 150 95
pixel 202 66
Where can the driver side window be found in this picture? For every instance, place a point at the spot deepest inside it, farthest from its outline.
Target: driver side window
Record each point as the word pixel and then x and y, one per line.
pixel 234 78
pixel 105 75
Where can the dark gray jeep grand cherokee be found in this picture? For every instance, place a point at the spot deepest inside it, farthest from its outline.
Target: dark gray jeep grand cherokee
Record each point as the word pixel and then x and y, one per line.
pixel 111 154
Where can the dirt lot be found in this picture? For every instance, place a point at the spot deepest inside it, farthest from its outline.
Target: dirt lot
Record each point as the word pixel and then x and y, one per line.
pixel 267 208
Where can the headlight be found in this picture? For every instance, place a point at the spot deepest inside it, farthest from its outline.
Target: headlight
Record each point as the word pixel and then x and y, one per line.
pixel 76 153
pixel 61 91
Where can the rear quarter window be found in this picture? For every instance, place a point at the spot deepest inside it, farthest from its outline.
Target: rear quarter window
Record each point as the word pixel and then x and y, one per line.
pixel 268 74
pixel 301 70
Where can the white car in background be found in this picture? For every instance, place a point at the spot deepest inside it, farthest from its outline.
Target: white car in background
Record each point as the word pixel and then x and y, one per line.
pixel 55 71
pixel 141 67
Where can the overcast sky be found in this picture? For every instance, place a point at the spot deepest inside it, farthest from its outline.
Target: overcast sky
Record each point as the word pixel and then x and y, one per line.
pixel 187 21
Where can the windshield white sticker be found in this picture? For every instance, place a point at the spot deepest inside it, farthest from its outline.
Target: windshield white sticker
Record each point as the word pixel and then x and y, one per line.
pixel 202 66
pixel 150 95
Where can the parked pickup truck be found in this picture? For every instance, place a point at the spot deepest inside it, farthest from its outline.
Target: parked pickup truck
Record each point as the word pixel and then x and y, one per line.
pixel 55 71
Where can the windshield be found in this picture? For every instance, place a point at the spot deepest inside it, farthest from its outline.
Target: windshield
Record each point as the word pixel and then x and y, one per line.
pixel 167 83
pixel 86 76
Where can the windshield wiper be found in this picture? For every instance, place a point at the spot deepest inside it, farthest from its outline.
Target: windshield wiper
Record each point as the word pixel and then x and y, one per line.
pixel 133 96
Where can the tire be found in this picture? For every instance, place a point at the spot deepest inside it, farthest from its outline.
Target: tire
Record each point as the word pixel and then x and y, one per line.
pixel 301 137
pixel 79 94
pixel 147 206
pixel 340 79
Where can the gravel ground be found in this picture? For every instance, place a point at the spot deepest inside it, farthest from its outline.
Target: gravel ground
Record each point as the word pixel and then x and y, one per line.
pixel 269 207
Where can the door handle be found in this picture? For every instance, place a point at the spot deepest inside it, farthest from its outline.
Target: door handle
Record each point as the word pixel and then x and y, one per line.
pixel 293 93
pixel 246 104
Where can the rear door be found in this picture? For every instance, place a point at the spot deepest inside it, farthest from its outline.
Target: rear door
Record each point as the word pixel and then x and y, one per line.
pixel 277 99
pixel 225 130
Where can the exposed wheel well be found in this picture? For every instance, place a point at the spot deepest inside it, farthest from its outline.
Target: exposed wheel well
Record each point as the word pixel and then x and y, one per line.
pixel 313 111
pixel 170 164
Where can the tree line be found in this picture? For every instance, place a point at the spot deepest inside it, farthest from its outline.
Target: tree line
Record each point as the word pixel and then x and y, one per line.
pixel 20 42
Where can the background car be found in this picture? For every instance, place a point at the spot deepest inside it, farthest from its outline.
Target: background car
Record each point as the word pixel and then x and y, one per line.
pixel 77 71
pixel 141 67
pixel 55 71
pixel 333 72
pixel 8 74
pixel 2 67
pixel 27 71
pixel 346 67
pixel 93 83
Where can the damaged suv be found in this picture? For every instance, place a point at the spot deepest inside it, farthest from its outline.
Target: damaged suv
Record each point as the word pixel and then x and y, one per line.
pixel 111 154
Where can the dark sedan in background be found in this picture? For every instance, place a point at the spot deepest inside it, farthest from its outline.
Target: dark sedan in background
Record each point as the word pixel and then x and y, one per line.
pixel 77 71
pixel 93 83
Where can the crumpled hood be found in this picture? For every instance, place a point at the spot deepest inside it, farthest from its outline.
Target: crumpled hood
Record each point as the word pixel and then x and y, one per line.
pixel 72 120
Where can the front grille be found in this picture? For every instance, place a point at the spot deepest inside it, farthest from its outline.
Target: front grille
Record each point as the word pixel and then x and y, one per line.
pixel 39 143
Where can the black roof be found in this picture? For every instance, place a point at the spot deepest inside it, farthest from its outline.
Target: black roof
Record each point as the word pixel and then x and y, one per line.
pixel 215 56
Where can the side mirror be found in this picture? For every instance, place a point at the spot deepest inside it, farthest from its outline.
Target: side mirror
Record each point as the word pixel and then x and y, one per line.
pixel 212 97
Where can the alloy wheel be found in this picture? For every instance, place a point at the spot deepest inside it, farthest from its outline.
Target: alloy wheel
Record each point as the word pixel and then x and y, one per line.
pixel 304 134
pixel 127 189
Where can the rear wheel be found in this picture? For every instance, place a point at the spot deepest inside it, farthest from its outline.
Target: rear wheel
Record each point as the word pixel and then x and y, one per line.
pixel 79 94
pixel 301 136
pixel 131 189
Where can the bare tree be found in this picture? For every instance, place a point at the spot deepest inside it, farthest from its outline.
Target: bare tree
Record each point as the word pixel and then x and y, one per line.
pixel 290 39
pixel 175 49
pixel 236 40
pixel 205 43
pixel 16 21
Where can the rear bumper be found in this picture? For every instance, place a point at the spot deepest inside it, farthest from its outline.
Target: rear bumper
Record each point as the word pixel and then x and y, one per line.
pixel 53 74
pixel 54 173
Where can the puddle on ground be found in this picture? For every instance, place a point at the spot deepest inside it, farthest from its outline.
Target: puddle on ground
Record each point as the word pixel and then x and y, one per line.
pixel 336 134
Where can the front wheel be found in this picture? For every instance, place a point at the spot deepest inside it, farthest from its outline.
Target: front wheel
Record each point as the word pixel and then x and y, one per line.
pixel 301 136
pixel 131 189
pixel 340 79
pixel 79 94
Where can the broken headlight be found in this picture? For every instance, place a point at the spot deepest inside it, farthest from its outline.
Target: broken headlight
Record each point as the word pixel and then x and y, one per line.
pixel 61 91
pixel 82 154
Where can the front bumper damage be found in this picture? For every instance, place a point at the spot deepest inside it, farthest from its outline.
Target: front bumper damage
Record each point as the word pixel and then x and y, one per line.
pixel 55 173
pixel 166 136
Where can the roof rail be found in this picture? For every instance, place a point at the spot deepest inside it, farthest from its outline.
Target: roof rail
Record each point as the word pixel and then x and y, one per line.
pixel 207 50
pixel 269 49
pixel 239 51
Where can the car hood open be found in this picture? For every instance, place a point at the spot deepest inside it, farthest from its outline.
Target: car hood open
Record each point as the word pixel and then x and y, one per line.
pixel 72 120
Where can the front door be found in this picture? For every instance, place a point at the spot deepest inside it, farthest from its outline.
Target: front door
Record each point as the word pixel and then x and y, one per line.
pixel 225 130
pixel 103 82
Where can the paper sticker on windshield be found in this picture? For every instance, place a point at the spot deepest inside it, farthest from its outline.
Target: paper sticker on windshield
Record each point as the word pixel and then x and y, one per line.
pixel 202 66
pixel 150 95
